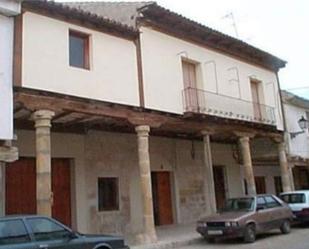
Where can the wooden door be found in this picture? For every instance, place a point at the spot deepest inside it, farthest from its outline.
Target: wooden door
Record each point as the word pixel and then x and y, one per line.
pixel 219 180
pixel 190 85
pixel 20 187
pixel 162 198
pixel 256 99
pixel 20 178
pixel 260 184
pixel 61 188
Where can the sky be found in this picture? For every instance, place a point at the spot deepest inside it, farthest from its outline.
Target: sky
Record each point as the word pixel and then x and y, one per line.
pixel 276 26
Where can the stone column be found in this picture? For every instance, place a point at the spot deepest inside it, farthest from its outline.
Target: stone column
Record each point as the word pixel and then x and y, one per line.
pixel 149 234
pixel 247 163
pixel 209 176
pixel 284 168
pixel 42 119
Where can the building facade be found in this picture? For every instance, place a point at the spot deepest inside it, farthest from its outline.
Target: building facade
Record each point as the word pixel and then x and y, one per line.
pixel 8 9
pixel 138 118
pixel 296 108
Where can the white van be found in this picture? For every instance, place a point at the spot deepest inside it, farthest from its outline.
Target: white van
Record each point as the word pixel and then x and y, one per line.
pixel 298 201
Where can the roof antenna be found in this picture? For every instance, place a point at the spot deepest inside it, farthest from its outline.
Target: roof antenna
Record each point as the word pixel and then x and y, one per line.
pixel 231 16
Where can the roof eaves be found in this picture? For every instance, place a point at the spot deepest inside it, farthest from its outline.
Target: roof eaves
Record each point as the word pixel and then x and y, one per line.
pixel 82 15
pixel 293 99
pixel 265 56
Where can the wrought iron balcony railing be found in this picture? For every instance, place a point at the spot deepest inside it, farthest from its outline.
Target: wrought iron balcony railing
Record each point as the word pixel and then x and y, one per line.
pixel 204 102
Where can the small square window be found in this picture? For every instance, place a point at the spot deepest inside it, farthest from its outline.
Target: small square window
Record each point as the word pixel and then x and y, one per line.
pixel 108 194
pixel 79 49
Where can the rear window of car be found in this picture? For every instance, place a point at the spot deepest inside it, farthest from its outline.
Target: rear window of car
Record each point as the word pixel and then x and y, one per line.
pixel 13 232
pixel 293 198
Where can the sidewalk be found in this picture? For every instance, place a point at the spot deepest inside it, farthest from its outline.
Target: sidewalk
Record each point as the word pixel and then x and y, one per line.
pixel 173 236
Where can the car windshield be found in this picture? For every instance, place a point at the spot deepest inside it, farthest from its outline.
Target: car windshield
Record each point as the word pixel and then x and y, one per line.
pixel 293 198
pixel 239 204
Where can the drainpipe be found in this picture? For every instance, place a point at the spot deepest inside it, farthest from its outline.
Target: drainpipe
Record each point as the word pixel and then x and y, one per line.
pixel 286 134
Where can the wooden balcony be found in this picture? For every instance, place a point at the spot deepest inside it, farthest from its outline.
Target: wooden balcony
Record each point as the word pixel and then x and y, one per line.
pixel 209 103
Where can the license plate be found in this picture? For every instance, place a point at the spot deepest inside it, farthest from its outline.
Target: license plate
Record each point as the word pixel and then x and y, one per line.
pixel 215 232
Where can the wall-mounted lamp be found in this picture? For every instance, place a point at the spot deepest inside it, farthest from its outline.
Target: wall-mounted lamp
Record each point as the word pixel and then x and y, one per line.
pixel 303 124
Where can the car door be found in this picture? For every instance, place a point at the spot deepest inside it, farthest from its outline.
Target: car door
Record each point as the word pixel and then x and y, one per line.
pixel 262 214
pixel 13 234
pixel 49 234
pixel 277 212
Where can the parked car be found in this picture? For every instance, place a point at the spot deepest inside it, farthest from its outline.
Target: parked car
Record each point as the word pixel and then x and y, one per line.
pixel 29 232
pixel 298 201
pixel 245 217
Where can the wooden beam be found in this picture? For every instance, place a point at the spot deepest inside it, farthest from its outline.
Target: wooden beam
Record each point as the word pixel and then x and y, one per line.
pixel 129 116
pixel 60 115
pixel 17 53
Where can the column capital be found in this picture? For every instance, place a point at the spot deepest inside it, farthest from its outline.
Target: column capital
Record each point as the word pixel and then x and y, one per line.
pixel 244 139
pixel 142 130
pixel 242 134
pixel 281 146
pixel 277 139
pixel 207 132
pixel 42 118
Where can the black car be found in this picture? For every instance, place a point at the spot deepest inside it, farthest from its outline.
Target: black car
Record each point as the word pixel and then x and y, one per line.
pixel 40 232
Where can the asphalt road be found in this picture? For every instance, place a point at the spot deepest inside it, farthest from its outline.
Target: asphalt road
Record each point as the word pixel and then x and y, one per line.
pixel 297 239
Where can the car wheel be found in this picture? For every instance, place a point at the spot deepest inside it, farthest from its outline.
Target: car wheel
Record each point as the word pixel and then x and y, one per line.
pixel 249 236
pixel 285 228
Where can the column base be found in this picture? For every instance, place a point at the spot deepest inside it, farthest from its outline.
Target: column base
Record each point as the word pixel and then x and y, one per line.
pixel 146 238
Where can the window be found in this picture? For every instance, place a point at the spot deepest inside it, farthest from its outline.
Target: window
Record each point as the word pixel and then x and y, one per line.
pixel 278 185
pixel 44 229
pixel 79 49
pixel 13 232
pixel 246 187
pixel 293 198
pixel 271 202
pixel 108 194
pixel 261 203
pixel 239 204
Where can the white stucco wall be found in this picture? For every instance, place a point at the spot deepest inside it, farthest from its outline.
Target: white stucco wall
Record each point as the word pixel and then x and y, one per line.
pixel 10 7
pixel 6 62
pixel 299 145
pixel 113 68
pixel 163 80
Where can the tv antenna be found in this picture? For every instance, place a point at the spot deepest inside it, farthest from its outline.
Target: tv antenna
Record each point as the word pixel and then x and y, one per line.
pixel 232 18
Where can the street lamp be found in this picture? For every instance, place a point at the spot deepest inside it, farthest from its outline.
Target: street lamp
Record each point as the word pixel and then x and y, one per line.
pixel 303 124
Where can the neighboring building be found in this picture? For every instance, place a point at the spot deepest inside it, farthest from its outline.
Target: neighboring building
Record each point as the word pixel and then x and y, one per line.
pixel 8 9
pixel 129 116
pixel 296 108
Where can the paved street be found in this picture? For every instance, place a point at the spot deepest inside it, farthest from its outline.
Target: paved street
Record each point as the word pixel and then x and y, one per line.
pixel 297 239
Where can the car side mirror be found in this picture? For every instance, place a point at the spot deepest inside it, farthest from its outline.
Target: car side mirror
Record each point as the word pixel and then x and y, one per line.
pixel 259 208
pixel 72 235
